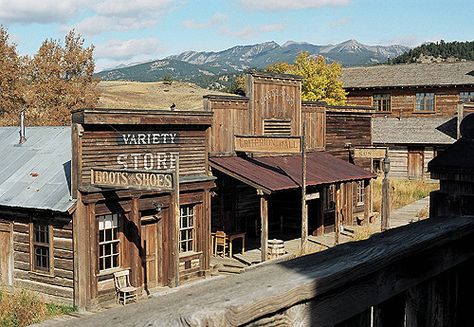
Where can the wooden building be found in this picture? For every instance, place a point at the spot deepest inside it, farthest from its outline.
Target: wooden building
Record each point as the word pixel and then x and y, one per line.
pixel 256 156
pixel 412 90
pixel 120 189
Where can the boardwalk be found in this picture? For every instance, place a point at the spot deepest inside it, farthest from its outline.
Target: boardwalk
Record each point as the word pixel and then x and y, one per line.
pixel 409 213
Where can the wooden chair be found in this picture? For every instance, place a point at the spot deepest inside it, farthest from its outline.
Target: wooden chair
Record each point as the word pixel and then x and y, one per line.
pixel 125 291
pixel 220 243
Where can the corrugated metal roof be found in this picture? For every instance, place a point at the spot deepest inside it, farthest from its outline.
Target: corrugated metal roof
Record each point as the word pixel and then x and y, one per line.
pixel 277 173
pixel 459 73
pixel 414 130
pixel 37 173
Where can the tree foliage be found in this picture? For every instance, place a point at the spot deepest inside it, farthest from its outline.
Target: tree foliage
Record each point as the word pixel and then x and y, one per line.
pixel 56 80
pixel 320 79
pixel 442 50
pixel 11 78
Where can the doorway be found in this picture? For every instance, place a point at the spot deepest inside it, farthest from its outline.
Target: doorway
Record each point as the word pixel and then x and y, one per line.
pixel 415 162
pixel 151 249
pixel 6 263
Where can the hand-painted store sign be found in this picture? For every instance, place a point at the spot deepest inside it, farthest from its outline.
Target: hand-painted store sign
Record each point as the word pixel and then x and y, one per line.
pixel 147 138
pixel 277 93
pixel 269 144
pixel 136 179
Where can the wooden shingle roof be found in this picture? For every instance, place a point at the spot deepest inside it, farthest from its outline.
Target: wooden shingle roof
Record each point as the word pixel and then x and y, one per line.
pixel 434 74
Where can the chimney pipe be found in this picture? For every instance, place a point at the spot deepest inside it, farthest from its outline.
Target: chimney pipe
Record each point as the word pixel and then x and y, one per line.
pixel 22 127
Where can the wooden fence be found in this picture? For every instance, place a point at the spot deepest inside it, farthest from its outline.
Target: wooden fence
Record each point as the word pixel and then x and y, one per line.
pixel 416 275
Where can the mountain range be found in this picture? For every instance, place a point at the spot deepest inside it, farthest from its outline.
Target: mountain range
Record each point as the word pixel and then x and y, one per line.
pixel 216 70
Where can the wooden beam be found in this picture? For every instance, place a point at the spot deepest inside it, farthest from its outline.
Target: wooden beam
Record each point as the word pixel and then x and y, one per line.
pixel 264 224
pixel 304 206
pixel 176 233
pixel 320 216
pixel 366 201
pixel 337 211
pixel 134 231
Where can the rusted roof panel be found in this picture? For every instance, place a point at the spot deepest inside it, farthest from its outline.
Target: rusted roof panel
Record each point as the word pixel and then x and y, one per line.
pixel 278 173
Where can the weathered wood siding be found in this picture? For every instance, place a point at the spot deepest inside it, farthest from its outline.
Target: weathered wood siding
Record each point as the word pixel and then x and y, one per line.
pixel 403 100
pixel 399 161
pixel 56 285
pixel 231 117
pixel 275 98
pixel 314 116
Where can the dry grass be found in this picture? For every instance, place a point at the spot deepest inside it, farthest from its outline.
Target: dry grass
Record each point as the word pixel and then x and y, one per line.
pixel 152 95
pixel 402 192
pixel 24 308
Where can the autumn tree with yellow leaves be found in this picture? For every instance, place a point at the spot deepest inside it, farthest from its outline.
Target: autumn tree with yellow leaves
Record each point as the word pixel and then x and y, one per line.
pixel 321 81
pixel 56 80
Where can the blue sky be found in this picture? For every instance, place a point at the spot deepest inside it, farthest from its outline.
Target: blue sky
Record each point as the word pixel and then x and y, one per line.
pixel 127 31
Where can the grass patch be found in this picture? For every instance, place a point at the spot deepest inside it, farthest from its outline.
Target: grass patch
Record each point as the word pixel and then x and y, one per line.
pixel 23 308
pixel 402 192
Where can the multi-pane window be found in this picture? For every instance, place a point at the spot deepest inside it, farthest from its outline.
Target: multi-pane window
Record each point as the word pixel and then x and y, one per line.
pixel 466 96
pixel 329 200
pixel 360 193
pixel 41 248
pixel 424 102
pixel 382 102
pixel 109 242
pixel 186 229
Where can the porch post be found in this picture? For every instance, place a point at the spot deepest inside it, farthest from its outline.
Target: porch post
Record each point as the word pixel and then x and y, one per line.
pixel 338 214
pixel 304 206
pixel 320 217
pixel 264 224
pixel 136 244
pixel 366 201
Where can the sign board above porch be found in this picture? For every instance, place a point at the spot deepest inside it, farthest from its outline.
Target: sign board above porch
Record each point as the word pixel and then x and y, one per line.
pixel 133 179
pixel 268 144
pixel 376 153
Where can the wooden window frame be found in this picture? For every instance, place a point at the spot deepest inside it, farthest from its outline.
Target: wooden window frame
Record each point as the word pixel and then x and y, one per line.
pixel 381 101
pixel 423 106
pixel 360 193
pixel 187 229
pixel 329 196
pixel 33 244
pixel 118 242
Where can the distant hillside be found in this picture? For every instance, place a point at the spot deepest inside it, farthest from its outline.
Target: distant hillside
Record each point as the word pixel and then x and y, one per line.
pixel 437 52
pixel 216 70
pixel 152 95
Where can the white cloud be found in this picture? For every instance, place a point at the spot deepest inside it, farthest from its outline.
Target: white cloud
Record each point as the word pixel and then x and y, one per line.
pixel 128 49
pixel 290 4
pixel 39 11
pixel 216 20
pixel 131 8
pixel 272 28
pixel 251 31
pixel 343 21
pixel 98 24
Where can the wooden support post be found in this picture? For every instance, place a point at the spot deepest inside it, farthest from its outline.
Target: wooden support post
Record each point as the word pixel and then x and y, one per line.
pixel 206 235
pixel 390 313
pixel 366 201
pixel 176 233
pixel 93 253
pixel 337 223
pixel 304 206
pixel 385 205
pixel 264 224
pixel 134 229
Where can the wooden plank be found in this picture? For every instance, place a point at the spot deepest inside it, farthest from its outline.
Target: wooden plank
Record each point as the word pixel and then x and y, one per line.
pixel 390 313
pixel 264 225
pixel 325 283
pixel 267 144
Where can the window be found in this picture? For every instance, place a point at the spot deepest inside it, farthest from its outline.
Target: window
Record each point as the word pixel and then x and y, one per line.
pixel 329 201
pixel 466 96
pixel 424 102
pixel 186 229
pixel 360 193
pixel 41 247
pixel 382 102
pixel 109 242
pixel 277 127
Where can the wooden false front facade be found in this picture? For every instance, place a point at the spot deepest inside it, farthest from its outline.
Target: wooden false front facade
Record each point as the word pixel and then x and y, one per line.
pixel 131 211
pixel 256 156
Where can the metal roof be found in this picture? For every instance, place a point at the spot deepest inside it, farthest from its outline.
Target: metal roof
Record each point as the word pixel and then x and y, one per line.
pixel 37 173
pixel 414 130
pixel 433 74
pixel 278 173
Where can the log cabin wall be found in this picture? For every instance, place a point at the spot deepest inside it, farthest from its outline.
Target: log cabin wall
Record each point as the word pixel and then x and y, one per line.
pixel 410 161
pixel 142 221
pixel 52 274
pixel 402 101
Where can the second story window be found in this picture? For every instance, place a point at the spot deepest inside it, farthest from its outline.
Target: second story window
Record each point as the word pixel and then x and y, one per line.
pixel 466 96
pixel 382 102
pixel 424 102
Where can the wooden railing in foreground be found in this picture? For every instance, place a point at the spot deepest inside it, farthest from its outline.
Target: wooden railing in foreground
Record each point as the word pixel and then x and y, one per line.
pixel 416 275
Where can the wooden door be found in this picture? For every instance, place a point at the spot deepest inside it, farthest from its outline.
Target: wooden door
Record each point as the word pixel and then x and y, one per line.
pixel 415 162
pixel 150 254
pixel 5 254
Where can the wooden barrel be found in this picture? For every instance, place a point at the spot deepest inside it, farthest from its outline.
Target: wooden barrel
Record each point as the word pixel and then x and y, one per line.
pixel 276 248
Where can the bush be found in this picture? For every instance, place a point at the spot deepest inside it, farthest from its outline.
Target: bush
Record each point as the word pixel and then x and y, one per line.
pixel 23 308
